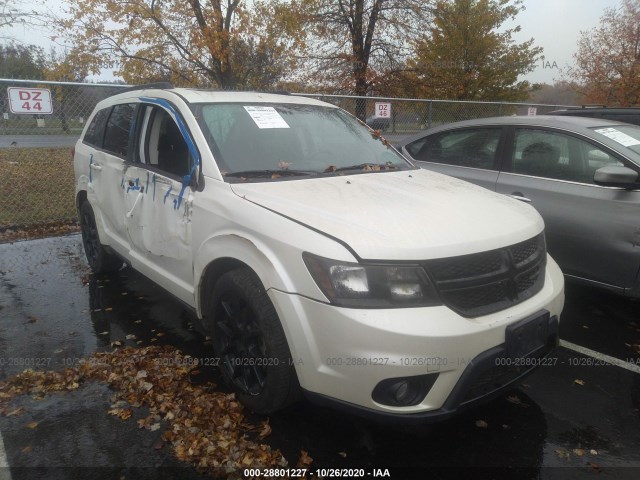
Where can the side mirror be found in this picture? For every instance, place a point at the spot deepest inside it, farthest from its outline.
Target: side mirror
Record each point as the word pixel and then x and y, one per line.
pixel 616 176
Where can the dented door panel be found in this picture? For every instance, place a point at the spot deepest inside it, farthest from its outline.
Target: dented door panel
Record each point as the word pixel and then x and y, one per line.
pixel 159 227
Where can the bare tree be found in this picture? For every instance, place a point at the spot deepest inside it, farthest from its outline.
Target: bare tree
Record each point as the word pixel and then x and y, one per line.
pixel 350 44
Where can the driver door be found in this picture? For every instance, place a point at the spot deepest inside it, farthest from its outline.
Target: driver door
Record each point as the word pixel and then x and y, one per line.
pixel 158 200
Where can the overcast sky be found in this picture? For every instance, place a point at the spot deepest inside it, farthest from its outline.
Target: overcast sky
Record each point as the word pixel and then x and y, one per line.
pixel 554 24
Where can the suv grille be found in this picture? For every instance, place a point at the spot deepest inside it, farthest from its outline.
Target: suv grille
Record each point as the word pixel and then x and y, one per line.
pixel 483 283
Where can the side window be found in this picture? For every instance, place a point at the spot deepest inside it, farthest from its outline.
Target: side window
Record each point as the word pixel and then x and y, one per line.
pixel 116 138
pixel 95 130
pixel 165 148
pixel 554 155
pixel 469 147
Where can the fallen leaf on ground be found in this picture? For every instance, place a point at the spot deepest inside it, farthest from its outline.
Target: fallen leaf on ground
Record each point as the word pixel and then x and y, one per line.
pixel 579 382
pixel 563 453
pixel 481 424
pixel 16 412
pixel 343 454
pixel 593 452
pixel 27 449
pixel 578 451
pixel 305 460
pixel 122 413
pixel 32 425
pixel 266 430
pixel 595 466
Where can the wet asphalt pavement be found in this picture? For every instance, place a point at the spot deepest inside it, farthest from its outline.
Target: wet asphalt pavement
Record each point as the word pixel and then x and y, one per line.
pixel 579 418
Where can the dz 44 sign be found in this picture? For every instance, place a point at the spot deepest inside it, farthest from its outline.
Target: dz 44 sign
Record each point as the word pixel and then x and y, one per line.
pixel 34 101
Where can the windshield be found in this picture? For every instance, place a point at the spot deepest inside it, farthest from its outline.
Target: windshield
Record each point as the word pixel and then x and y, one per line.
pixel 275 141
pixel 625 135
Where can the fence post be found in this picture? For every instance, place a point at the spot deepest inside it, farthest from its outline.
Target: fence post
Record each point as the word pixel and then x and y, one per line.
pixel 430 113
pixel 500 110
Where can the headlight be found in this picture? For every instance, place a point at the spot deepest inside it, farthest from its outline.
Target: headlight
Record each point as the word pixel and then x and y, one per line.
pixel 372 286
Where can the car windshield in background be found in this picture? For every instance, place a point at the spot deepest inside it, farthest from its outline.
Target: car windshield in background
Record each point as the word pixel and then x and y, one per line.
pixel 626 135
pixel 258 141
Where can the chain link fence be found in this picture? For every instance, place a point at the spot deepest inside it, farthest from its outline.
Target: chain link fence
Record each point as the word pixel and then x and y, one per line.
pixel 36 161
pixel 37 137
pixel 407 116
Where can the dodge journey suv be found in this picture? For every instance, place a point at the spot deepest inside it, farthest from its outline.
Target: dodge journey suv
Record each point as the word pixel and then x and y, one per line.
pixel 317 258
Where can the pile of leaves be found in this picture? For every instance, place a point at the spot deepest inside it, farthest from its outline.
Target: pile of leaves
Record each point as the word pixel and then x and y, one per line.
pixel 14 233
pixel 204 427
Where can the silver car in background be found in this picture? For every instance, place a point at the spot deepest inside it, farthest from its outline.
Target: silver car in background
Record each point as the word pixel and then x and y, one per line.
pixel 581 174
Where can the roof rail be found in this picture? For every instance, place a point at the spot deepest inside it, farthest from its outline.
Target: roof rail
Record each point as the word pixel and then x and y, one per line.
pixel 147 86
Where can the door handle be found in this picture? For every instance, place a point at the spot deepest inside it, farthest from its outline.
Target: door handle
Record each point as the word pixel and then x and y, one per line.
pixel 519 196
pixel 95 166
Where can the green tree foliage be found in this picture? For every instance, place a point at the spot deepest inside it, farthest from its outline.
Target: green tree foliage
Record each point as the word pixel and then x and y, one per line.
pixel 21 61
pixel 466 55
pixel 608 58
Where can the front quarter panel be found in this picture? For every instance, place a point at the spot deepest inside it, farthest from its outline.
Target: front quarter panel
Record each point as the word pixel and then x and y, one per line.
pixel 270 244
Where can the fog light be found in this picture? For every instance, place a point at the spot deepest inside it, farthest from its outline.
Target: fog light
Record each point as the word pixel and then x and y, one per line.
pixel 401 391
pixel 405 391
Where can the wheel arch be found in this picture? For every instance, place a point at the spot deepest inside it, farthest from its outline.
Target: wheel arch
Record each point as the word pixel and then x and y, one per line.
pixel 228 252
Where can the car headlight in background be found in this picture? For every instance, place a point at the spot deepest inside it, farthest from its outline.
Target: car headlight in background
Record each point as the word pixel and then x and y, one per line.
pixel 372 285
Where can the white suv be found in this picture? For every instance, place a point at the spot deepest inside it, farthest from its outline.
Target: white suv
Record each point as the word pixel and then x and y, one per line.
pixel 317 258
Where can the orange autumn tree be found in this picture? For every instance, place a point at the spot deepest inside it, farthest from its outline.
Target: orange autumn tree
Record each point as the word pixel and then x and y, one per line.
pixel 220 43
pixel 608 58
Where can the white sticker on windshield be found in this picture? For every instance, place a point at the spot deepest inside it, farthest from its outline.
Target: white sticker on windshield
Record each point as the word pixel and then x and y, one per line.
pixel 618 136
pixel 266 117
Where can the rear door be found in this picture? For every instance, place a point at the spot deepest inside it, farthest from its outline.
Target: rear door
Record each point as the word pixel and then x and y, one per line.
pixel 470 154
pixel 591 230
pixel 107 165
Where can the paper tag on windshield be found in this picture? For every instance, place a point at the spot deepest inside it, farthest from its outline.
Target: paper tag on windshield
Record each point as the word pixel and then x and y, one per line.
pixel 266 117
pixel 618 136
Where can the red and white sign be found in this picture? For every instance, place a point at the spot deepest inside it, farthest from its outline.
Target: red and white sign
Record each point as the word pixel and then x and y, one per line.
pixel 33 101
pixel 383 110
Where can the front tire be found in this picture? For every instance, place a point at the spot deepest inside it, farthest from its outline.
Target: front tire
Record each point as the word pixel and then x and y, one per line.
pixel 100 260
pixel 249 341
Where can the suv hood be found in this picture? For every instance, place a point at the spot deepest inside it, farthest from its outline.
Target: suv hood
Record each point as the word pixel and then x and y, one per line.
pixel 407 215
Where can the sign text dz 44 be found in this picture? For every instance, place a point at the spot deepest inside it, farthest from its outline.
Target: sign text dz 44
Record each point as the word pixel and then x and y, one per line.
pixel 33 101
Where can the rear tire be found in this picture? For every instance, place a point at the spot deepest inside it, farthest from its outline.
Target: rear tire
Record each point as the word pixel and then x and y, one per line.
pixel 248 338
pixel 100 260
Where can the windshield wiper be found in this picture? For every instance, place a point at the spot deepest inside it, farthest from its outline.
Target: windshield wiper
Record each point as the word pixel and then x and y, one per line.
pixel 366 167
pixel 269 173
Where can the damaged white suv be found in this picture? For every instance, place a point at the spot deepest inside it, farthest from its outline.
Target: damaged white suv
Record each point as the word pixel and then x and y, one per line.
pixel 317 258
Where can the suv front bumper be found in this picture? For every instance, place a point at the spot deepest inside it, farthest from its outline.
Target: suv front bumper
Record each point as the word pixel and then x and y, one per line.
pixel 342 354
